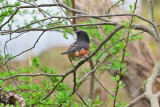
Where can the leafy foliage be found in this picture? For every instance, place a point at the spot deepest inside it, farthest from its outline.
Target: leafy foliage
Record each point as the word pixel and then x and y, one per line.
pixel 34 91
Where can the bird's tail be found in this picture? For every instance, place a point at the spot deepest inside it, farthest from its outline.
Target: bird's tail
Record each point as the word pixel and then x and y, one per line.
pixel 64 53
pixel 68 52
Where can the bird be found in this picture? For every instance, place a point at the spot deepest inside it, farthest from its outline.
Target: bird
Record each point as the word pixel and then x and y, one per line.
pixel 80 48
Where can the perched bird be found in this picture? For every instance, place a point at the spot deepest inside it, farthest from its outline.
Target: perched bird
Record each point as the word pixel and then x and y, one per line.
pixel 80 48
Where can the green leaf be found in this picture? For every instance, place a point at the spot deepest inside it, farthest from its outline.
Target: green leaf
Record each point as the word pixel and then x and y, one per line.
pixel 12 72
pixel 120 82
pixel 36 62
pixel 1 82
pixel 17 3
pixel 75 104
pixel 117 77
pixel 130 6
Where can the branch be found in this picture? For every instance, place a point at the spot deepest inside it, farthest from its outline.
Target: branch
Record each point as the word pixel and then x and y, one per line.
pixel 81 99
pixel 31 75
pixel 84 13
pixel 27 49
pixel 123 55
pixel 158 94
pixel 9 18
pixel 152 11
pixel 92 71
pixel 105 88
pixel 74 20
pixel 115 44
pixel 41 10
pixel 135 101
pixel 135 26
pixel 150 6
pixel 148 94
pixel 85 16
pixel 75 83
pixel 107 12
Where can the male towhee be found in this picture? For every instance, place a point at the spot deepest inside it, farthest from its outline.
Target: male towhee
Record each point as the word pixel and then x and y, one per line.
pixel 80 48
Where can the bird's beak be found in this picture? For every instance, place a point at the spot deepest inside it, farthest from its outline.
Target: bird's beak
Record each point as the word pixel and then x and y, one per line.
pixel 76 32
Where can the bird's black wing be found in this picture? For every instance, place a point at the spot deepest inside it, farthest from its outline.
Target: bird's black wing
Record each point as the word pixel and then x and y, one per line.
pixel 77 46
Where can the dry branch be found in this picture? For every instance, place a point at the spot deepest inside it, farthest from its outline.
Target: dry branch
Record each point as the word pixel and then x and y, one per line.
pixel 30 75
pixel 148 94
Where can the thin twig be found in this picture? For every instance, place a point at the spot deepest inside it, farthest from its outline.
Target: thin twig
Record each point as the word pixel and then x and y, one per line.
pixel 107 12
pixel 82 99
pixel 133 102
pixel 104 88
pixel 113 45
pixel 27 49
pixel 124 51
pixel 75 83
pixel 31 75
pixel 152 10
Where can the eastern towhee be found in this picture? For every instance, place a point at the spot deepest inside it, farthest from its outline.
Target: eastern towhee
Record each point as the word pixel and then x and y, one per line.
pixel 80 48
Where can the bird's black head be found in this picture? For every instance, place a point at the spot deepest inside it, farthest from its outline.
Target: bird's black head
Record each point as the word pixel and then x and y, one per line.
pixel 82 35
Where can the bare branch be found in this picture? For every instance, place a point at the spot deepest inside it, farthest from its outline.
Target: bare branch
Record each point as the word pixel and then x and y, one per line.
pixel 149 94
pixel 85 16
pixel 158 94
pixel 81 99
pixel 41 10
pixel 148 10
pixel 135 26
pixel 75 83
pixel 105 88
pixel 27 49
pixel 107 12
pixel 115 44
pixel 132 103
pixel 31 75
pixel 152 10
